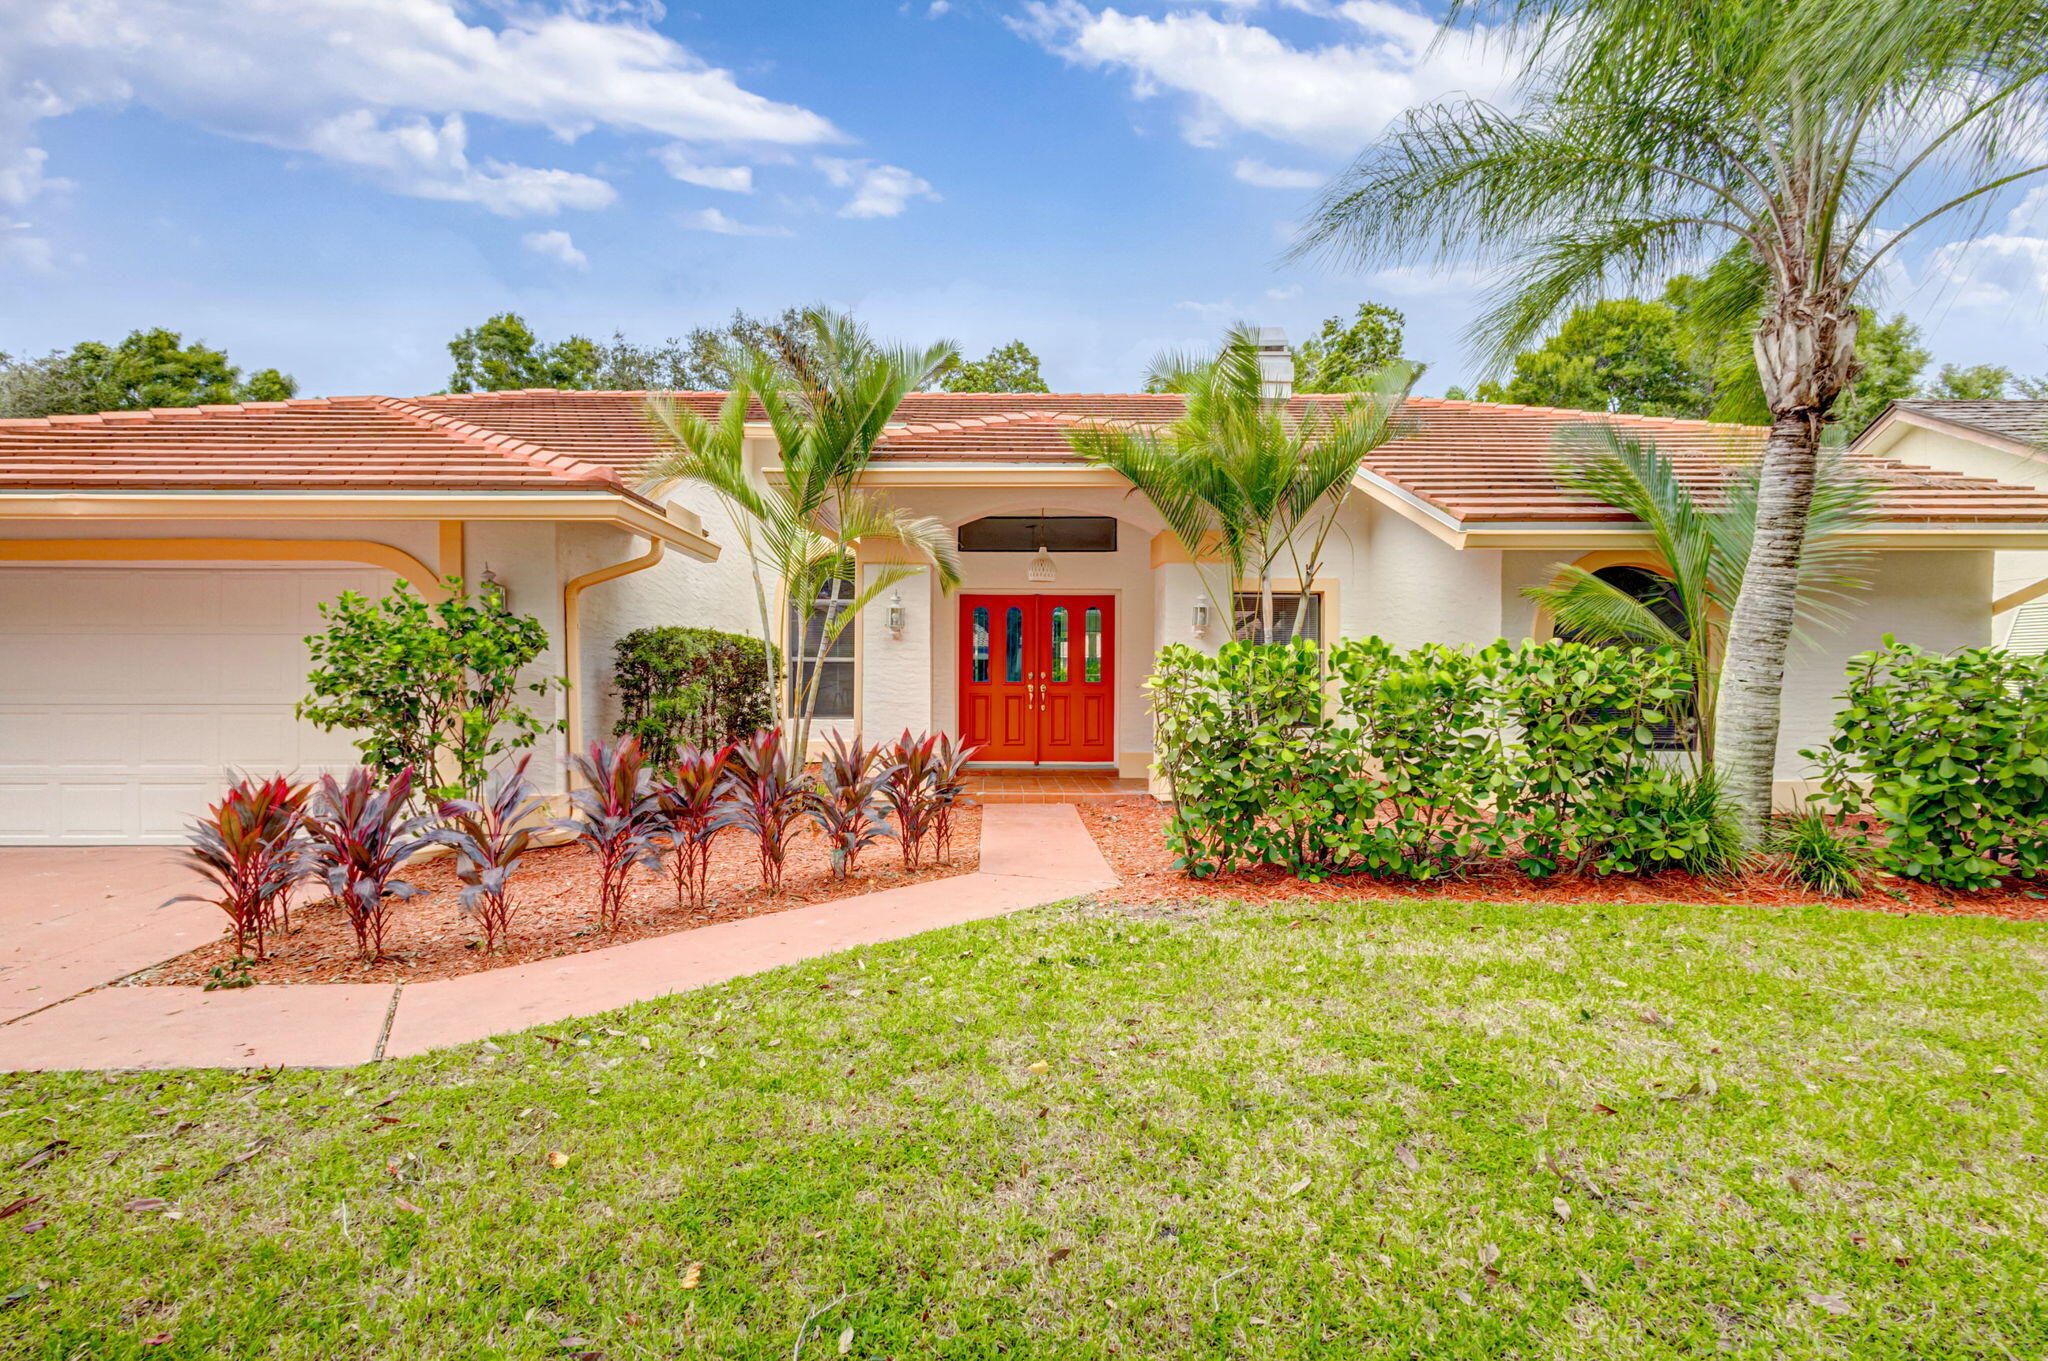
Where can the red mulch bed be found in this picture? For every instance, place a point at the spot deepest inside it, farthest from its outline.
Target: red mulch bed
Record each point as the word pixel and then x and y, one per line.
pixel 554 912
pixel 1131 833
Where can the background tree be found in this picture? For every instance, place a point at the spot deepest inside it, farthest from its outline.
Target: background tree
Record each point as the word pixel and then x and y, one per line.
pixel 146 369
pixel 503 354
pixel 1240 483
pixel 1344 353
pixel 1617 355
pixel 1970 383
pixel 1006 368
pixel 1779 137
pixel 1889 361
pixel 827 402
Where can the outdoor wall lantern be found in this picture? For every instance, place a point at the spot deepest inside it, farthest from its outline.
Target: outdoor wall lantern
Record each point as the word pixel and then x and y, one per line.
pixel 894 617
pixel 491 587
pixel 1201 616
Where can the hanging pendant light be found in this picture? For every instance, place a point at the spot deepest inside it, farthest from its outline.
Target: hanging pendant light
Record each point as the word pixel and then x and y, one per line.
pixel 1041 568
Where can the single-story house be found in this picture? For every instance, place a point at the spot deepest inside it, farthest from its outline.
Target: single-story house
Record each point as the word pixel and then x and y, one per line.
pixel 2003 440
pixel 159 569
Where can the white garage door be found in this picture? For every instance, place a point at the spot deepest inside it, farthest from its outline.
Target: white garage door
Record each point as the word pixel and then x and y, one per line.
pixel 125 692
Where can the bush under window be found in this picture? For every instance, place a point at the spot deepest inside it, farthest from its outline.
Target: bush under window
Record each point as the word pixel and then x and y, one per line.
pixel 690 687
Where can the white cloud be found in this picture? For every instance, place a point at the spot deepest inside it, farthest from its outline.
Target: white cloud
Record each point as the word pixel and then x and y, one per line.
pixel 683 164
pixel 382 86
pixel 938 8
pixel 1284 294
pixel 711 220
pixel 878 190
pixel 1264 176
pixel 19 249
pixel 1209 309
pixel 1235 76
pixel 557 246
pixel 424 159
pixel 1993 270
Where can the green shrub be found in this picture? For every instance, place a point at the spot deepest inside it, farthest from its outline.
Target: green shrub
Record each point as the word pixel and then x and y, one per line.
pixel 689 687
pixel 1816 855
pixel 1259 774
pixel 1582 786
pixel 1949 753
pixel 1418 763
pixel 1426 718
pixel 433 689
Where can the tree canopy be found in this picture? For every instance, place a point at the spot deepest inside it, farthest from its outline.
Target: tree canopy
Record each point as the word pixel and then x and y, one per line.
pixel 1344 354
pixel 1006 368
pixel 1618 354
pixel 505 353
pixel 148 368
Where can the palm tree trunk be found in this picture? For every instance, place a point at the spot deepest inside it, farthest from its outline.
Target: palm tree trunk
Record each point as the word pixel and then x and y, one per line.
pixel 1745 737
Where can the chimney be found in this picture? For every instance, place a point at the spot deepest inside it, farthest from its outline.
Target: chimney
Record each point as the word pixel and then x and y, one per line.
pixel 1276 364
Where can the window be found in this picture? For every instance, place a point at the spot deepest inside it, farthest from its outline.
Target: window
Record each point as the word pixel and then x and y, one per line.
pixel 1091 651
pixel 834 666
pixel 1029 533
pixel 1286 609
pixel 1660 594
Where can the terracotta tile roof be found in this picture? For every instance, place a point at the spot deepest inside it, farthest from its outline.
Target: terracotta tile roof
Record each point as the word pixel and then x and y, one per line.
pixel 1472 462
pixel 337 444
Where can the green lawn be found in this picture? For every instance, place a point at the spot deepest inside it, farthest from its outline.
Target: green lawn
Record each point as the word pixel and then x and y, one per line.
pixel 1377 1130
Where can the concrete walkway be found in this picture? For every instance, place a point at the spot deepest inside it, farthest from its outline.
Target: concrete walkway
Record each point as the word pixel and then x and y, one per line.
pixel 1030 854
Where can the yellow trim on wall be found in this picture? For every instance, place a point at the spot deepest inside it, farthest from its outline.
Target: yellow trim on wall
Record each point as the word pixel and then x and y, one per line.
pixel 1543 628
pixel 422 577
pixel 452 548
pixel 1167 549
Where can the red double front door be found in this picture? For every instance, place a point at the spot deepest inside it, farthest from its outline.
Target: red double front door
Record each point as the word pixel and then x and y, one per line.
pixel 1038 677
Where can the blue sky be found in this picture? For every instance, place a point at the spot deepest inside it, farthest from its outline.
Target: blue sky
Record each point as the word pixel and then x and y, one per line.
pixel 338 186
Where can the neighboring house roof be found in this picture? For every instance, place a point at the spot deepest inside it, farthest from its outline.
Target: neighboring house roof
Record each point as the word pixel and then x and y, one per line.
pixel 1461 468
pixel 2022 420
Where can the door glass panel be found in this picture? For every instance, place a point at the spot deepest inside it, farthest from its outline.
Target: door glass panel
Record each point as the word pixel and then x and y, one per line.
pixel 1013 644
pixel 1091 657
pixel 981 642
pixel 1059 643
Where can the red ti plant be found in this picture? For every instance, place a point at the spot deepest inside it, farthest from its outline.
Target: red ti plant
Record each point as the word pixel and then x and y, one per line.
pixel 765 797
pixel 689 800
pixel 360 837
pixel 846 802
pixel 249 845
pixel 912 793
pixel 489 836
pixel 949 786
pixel 618 817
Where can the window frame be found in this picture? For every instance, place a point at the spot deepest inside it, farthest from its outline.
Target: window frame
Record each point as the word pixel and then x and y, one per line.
pixel 836 591
pixel 1319 606
pixel 1038 540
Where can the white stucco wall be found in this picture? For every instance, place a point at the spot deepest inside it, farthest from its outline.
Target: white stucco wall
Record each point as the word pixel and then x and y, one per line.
pixel 677 590
pixel 1416 588
pixel 1937 449
pixel 1934 599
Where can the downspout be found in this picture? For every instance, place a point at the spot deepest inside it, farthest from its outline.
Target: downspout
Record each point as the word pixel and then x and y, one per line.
pixel 572 627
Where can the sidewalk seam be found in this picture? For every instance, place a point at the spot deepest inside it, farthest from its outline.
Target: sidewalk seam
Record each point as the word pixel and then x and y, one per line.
pixel 390 1015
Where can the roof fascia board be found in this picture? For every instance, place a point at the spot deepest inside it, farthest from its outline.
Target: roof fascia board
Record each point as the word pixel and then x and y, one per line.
pixel 677 529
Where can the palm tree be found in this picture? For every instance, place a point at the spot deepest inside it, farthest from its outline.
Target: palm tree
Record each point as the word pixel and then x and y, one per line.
pixel 826 405
pixel 1703 552
pixel 1783 137
pixel 1238 478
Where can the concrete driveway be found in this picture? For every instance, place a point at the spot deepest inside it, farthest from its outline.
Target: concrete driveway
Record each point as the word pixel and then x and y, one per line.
pixel 74 917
